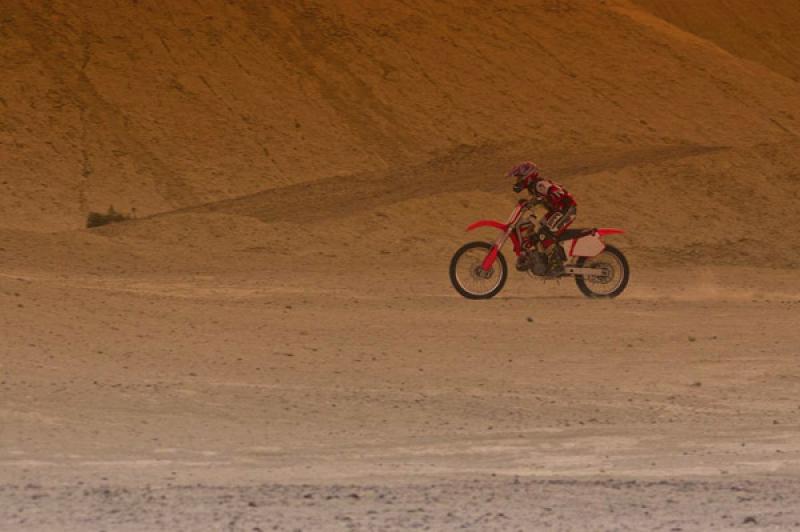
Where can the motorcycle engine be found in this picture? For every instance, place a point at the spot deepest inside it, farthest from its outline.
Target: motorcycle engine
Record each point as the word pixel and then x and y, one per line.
pixel 539 266
pixel 535 261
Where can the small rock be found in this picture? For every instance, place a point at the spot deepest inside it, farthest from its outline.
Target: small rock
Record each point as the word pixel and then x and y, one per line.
pixel 530 320
pixel 749 520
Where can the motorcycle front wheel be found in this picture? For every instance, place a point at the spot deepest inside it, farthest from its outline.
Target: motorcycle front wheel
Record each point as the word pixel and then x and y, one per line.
pixel 614 278
pixel 470 279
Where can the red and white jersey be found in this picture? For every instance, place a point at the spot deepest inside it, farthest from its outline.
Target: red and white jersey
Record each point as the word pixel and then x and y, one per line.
pixel 555 195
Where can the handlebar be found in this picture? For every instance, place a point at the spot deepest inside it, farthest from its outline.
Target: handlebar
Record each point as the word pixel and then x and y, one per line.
pixel 530 203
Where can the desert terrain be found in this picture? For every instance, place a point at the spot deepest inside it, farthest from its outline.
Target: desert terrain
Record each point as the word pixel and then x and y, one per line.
pixel 271 341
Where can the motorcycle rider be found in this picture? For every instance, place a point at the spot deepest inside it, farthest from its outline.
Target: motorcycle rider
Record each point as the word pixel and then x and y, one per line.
pixel 561 207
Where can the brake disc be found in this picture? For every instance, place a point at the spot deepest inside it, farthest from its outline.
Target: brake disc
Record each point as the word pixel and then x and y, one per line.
pixel 480 273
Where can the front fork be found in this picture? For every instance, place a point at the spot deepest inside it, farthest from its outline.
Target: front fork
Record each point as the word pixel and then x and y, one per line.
pixel 488 262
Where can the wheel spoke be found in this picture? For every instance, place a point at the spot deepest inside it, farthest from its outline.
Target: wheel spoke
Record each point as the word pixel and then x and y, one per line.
pixel 611 280
pixel 470 275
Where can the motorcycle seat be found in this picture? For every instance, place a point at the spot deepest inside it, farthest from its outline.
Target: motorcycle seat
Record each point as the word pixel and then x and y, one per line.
pixel 569 234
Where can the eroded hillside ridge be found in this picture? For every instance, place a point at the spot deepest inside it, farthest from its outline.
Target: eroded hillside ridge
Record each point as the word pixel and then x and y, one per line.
pixel 762 32
pixel 158 106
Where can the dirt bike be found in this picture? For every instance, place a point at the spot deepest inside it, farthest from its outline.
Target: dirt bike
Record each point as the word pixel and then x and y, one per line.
pixel 478 270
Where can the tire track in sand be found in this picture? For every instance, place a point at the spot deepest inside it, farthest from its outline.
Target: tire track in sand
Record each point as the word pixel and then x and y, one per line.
pixel 465 168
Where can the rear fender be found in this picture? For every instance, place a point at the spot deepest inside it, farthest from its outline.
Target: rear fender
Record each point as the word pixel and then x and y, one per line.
pixel 609 231
pixel 501 227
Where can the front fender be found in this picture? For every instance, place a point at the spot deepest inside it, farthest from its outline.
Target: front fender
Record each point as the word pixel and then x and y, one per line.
pixel 487 223
pixel 499 226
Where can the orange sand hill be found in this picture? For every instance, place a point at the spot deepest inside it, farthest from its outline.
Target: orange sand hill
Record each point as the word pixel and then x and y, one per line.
pixel 661 125
pixel 762 32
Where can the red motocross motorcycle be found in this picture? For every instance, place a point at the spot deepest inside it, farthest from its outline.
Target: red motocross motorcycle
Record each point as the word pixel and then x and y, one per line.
pixel 478 270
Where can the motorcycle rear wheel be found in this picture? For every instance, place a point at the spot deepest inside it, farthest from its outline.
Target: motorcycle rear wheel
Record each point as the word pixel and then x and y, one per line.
pixel 610 285
pixel 468 277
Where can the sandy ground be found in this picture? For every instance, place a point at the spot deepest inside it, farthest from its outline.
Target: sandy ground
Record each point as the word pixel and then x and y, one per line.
pixel 315 400
pixel 273 343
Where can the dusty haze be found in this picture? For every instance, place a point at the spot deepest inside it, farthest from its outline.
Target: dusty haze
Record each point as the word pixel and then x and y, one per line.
pixel 276 327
